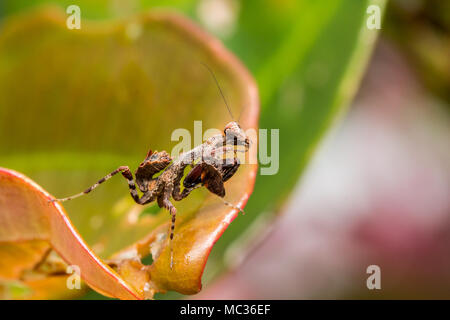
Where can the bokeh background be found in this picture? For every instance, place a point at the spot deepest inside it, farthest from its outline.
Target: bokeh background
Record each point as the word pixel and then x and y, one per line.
pixel 364 174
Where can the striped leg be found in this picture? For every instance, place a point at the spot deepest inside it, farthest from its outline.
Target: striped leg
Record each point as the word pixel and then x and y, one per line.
pixel 232 205
pixel 164 202
pixel 125 172
pixel 173 213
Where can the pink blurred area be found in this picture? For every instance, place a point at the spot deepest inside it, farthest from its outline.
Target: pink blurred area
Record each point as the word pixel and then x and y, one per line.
pixel 377 193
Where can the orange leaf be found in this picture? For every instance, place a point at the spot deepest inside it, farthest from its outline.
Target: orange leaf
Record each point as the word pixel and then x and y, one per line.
pixel 27 216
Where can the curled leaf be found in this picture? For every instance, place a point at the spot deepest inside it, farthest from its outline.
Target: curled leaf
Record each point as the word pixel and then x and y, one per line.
pixel 100 97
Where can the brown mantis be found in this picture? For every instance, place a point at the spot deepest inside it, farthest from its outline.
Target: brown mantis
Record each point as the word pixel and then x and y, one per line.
pixel 210 168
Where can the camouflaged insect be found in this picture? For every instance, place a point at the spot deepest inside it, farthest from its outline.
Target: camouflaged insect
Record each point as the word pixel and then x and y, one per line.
pixel 210 168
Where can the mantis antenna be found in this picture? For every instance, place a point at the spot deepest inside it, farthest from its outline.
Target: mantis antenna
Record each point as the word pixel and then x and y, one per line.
pixel 220 89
